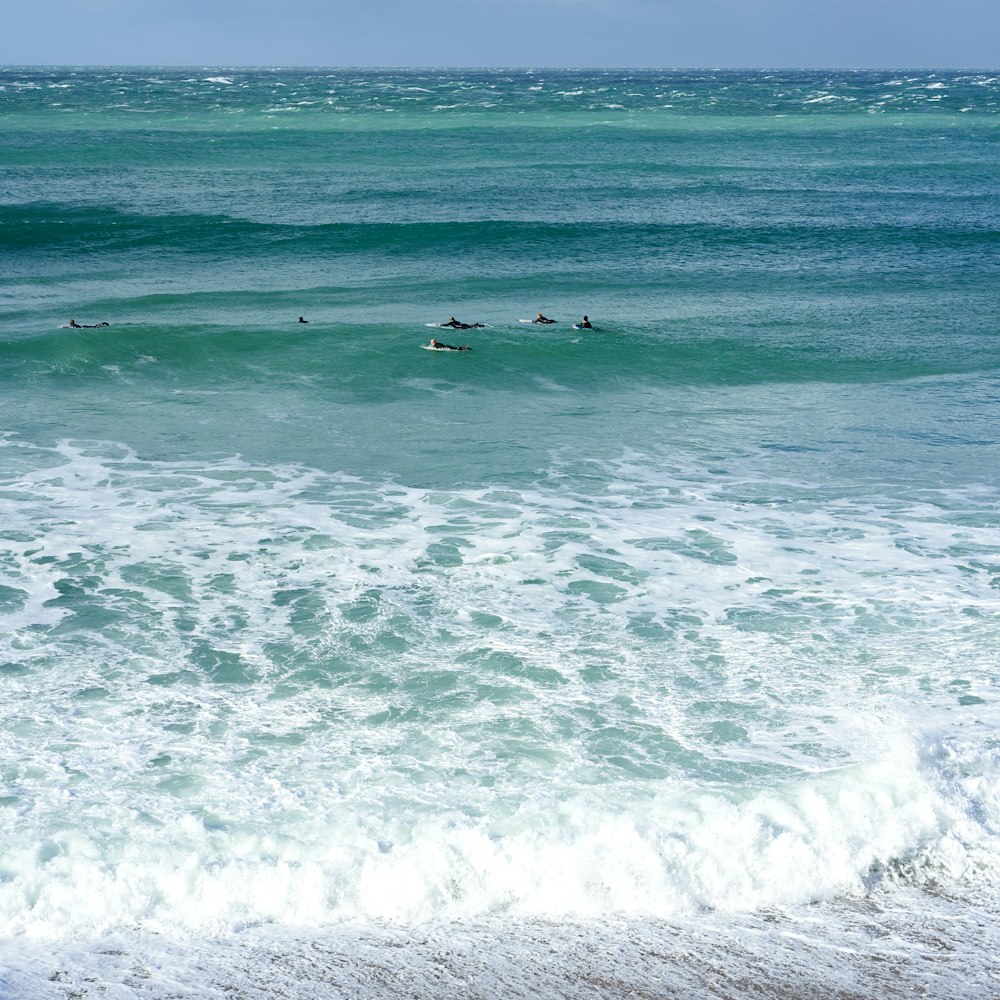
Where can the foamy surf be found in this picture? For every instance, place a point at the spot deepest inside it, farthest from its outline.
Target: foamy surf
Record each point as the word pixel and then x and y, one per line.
pixel 240 672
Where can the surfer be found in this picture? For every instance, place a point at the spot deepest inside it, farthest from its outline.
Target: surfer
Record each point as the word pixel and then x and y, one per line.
pixel 456 325
pixel 438 346
pixel 86 326
pixel 542 319
pixel 584 324
pixel 302 319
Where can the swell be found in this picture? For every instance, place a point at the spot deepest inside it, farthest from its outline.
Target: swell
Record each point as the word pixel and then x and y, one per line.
pixel 366 361
pixel 61 229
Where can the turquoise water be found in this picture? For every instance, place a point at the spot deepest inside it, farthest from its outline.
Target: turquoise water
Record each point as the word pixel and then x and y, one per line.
pixel 679 629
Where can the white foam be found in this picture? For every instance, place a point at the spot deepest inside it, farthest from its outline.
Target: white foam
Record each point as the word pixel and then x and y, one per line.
pixel 682 851
pixel 271 694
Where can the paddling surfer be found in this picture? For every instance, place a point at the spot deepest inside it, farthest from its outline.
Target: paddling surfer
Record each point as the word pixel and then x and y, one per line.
pixel 456 325
pixel 438 346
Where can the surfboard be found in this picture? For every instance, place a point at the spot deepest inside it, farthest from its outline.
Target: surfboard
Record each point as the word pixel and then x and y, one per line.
pixel 576 326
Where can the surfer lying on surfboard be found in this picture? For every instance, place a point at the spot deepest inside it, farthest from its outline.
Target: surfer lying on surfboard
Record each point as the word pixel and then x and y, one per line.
pixel 436 345
pixel 456 325
pixel 542 319
pixel 85 326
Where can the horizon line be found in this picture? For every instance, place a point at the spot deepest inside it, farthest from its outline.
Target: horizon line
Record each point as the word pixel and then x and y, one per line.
pixel 511 68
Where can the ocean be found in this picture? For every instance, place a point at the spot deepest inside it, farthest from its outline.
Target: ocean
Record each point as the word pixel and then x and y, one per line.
pixel 658 659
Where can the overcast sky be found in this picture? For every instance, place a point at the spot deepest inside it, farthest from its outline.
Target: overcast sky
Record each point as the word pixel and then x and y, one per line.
pixel 655 33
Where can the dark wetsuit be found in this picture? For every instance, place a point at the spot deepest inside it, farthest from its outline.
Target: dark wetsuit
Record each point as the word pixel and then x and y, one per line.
pixel 455 325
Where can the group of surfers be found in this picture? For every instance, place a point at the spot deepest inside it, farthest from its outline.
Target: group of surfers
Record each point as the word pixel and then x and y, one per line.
pixel 584 324
pixel 453 323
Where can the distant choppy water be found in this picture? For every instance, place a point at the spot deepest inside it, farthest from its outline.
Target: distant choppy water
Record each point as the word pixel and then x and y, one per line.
pixel 367 662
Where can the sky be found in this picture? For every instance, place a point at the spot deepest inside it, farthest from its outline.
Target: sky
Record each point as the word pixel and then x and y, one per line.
pixel 932 34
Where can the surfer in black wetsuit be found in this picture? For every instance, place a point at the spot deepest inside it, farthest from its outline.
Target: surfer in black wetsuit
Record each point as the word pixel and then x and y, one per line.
pixel 302 319
pixel 438 346
pixel 542 319
pixel 86 326
pixel 456 325
pixel 584 324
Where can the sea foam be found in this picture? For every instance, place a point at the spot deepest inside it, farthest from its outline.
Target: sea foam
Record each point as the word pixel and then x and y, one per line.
pixel 278 696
